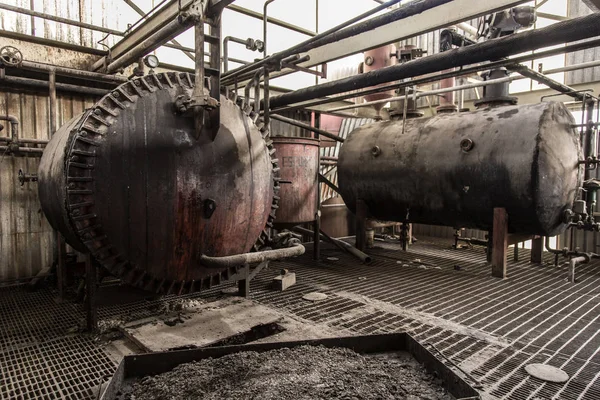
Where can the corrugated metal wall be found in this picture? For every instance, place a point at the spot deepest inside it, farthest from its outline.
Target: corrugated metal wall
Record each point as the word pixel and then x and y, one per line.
pixel 576 8
pixel 26 238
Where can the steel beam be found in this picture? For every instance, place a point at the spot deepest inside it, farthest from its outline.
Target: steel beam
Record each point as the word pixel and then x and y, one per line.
pixel 166 23
pixel 144 30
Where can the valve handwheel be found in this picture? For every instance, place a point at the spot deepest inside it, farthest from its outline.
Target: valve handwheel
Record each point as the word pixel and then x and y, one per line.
pixel 11 56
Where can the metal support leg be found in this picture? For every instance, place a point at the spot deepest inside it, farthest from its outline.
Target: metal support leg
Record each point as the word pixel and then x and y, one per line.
pixel 361 225
pixel 516 252
pixel 61 267
pixel 90 298
pixel 244 284
pixel 537 249
pixel 499 243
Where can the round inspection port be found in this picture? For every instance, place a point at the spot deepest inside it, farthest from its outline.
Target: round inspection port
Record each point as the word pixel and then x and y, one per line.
pixel 466 145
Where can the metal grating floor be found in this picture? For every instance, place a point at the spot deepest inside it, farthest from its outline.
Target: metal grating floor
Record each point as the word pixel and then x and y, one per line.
pixel 491 328
pixel 446 298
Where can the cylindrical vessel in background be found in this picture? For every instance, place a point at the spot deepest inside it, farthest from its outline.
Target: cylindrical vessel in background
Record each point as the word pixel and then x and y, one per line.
pixel 454 169
pixel 299 160
pixel 378 58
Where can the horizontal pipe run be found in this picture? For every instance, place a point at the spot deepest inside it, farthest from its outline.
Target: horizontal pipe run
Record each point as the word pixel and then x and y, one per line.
pixel 575 29
pixel 72 72
pixel 307 127
pixel 458 72
pixel 551 83
pixel 59 86
pixel 23 151
pixel 252 258
pixel 428 93
pixel 52 43
pixel 365 258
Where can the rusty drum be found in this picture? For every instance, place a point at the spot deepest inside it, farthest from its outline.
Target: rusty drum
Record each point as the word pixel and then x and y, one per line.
pixel 298 159
pixel 130 182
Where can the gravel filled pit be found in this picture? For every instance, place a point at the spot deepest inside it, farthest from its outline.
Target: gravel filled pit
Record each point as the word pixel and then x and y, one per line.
pixel 305 372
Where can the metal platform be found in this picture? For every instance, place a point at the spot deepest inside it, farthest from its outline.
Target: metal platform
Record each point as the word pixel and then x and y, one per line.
pixel 445 298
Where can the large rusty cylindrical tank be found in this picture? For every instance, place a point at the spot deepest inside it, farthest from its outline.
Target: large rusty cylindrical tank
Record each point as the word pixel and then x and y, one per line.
pixel 299 162
pixel 454 169
pixel 130 182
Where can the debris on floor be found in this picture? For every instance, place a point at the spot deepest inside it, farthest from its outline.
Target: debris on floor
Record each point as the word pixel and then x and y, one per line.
pixel 202 325
pixel 314 296
pixel 284 280
pixel 305 372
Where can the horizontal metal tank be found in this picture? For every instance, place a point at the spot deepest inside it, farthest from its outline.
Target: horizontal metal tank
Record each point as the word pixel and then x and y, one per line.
pixel 131 183
pixel 299 163
pixel 454 169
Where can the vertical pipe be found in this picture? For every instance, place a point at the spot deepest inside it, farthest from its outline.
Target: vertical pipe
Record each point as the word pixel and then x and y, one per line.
pixel 226 54
pixel 32 6
pixel 317 224
pixel 316 30
pixel 198 93
pixel 52 94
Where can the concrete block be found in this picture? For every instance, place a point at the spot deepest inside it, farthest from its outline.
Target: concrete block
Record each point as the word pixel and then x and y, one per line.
pixel 282 282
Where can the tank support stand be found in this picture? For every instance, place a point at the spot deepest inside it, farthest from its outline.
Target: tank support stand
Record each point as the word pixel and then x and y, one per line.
pixel 361 225
pixel 537 249
pixel 245 275
pixel 61 266
pixel 499 243
pixel 91 311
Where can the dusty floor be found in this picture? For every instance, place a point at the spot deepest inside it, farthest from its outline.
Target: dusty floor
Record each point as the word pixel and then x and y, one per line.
pixel 446 298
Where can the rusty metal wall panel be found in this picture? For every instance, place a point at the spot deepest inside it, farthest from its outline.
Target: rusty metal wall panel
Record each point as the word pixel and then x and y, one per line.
pixel 576 8
pixel 26 239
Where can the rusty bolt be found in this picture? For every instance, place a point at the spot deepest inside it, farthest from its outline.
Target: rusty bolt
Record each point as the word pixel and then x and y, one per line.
pixel 369 61
pixel 466 145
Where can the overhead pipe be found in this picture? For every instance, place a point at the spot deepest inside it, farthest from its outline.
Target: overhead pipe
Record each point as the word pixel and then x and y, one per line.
pixel 72 72
pixel 295 250
pixel 575 29
pixel 332 35
pixel 430 93
pixel 307 127
pixel 551 83
pixel 59 86
pixel 22 151
pixel 434 77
